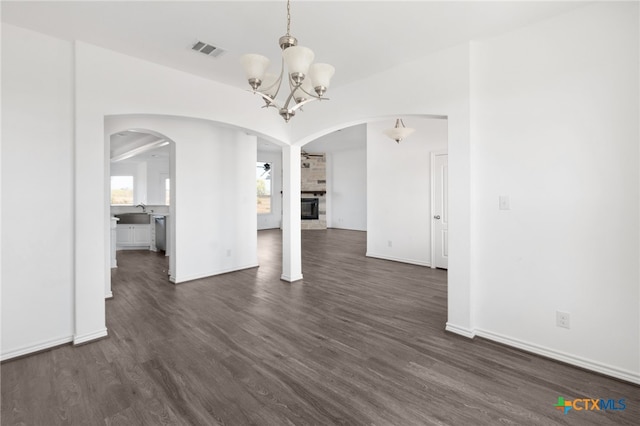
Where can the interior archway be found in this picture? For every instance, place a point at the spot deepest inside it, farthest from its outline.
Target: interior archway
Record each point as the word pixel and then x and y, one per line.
pixel 144 159
pixel 210 219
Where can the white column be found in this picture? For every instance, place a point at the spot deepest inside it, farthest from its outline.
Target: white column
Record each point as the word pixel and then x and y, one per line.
pixel 291 238
pixel 92 227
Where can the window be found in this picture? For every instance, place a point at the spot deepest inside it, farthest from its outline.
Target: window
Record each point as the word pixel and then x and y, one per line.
pixel 263 187
pixel 122 190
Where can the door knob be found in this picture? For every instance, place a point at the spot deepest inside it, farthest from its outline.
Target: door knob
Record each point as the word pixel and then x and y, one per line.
pixel 437 216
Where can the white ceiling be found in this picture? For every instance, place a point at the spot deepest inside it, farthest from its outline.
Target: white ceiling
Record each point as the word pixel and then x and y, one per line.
pixel 135 146
pixel 359 38
pixel 354 137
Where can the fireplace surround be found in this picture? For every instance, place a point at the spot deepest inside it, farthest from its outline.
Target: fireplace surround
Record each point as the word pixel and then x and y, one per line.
pixel 313 190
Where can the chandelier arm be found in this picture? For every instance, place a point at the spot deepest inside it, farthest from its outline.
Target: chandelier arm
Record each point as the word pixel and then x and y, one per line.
pixel 270 105
pixel 279 81
pixel 306 101
pixel 270 101
pixel 293 86
pixel 293 91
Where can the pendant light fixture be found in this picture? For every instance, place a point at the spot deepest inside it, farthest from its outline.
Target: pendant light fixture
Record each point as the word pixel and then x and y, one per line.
pixel 399 132
pixel 307 82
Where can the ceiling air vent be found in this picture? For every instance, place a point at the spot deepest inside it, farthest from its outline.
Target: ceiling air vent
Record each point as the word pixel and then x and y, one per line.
pixel 207 49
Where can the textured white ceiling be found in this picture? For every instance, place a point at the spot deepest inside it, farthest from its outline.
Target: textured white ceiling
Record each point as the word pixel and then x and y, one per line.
pixel 359 38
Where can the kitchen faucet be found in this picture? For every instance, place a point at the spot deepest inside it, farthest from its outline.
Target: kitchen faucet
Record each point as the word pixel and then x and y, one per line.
pixel 144 208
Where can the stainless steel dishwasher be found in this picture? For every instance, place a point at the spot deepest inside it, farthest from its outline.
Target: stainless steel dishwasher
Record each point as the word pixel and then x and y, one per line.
pixel 161 233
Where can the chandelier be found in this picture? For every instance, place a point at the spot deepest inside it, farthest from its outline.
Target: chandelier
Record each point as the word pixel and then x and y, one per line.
pixel 307 82
pixel 399 132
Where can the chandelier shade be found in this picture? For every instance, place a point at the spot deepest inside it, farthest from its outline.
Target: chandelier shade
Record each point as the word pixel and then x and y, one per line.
pixel 399 132
pixel 255 67
pixel 320 75
pixel 307 82
pixel 298 59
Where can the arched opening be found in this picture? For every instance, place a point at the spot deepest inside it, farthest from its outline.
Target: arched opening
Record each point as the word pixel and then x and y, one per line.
pixel 211 220
pixel 370 178
pixel 141 195
pixel 366 182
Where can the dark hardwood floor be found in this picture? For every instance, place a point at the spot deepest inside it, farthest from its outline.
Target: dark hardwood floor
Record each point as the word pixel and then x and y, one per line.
pixel 360 341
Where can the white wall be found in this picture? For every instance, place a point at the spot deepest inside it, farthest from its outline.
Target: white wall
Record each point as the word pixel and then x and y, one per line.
pixel 553 112
pixel 37 192
pixel 68 91
pixel 443 90
pixel 554 121
pixel 157 171
pixel 347 174
pixel 556 112
pixel 109 84
pixel 399 190
pixel 214 210
pixel 272 220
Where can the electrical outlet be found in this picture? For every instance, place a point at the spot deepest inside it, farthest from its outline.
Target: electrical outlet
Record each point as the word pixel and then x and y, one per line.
pixel 389 243
pixel 228 253
pixel 563 319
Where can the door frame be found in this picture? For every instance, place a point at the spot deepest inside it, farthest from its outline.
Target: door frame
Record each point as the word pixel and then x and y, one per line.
pixel 432 211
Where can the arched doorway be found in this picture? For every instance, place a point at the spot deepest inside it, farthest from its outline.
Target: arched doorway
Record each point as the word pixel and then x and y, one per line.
pixel 141 193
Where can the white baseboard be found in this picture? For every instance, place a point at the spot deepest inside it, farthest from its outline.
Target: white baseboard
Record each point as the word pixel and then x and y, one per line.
pixel 37 347
pixel 462 331
pixel 181 280
pixel 86 338
pixel 290 279
pixel 120 248
pixel 108 295
pixel 398 259
pixel 619 373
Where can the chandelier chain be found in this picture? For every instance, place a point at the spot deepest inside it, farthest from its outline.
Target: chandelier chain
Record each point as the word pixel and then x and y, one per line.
pixel 288 17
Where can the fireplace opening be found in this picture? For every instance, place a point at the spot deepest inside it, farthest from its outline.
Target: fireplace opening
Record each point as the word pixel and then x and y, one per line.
pixel 309 208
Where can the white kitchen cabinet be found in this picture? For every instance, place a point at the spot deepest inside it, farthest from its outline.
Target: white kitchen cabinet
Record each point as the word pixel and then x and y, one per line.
pixel 133 236
pixel 141 234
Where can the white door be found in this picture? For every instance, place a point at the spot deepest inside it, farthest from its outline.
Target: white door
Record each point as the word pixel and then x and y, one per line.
pixel 440 211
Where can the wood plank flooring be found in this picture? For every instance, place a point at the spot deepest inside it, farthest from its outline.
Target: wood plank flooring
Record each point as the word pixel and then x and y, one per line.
pixel 360 341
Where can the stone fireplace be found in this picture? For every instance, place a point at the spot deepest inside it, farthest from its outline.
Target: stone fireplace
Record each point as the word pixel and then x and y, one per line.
pixel 313 185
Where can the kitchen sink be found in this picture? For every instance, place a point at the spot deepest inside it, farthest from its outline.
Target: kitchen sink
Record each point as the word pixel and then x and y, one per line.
pixel 133 218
